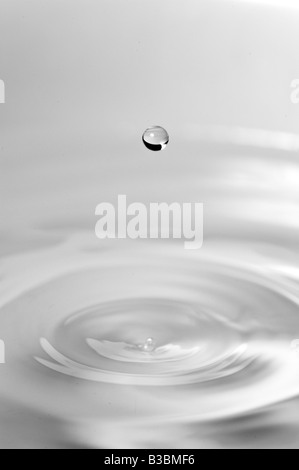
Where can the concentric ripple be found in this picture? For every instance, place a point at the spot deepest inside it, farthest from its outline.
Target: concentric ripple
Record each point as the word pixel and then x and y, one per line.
pixel 181 354
pixel 206 327
pixel 141 343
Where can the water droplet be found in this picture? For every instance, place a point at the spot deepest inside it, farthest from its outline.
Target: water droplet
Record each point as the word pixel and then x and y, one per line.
pixel 149 345
pixel 155 138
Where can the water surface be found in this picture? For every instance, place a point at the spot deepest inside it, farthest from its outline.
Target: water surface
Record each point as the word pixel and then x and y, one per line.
pixel 122 343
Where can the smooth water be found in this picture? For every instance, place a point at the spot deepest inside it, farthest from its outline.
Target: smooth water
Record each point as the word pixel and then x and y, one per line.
pixel 124 343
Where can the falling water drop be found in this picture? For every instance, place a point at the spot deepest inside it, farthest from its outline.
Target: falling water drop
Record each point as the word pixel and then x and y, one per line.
pixel 155 138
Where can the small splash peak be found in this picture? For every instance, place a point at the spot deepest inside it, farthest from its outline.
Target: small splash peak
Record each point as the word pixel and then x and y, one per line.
pixel 148 346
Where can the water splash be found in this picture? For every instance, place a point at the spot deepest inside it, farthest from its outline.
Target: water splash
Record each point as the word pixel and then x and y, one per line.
pixel 148 346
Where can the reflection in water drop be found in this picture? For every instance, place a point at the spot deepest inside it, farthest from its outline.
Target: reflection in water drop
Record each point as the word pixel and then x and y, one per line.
pixel 155 138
